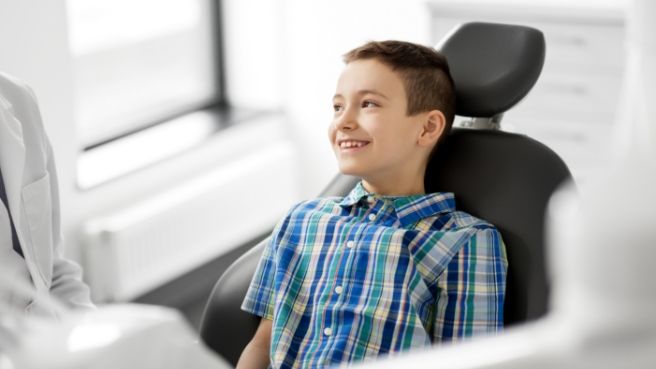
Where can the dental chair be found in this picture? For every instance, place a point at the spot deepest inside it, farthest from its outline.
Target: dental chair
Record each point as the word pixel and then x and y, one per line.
pixel 503 178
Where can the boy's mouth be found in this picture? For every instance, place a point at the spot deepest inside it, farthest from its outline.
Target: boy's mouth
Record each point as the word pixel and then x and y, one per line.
pixel 351 145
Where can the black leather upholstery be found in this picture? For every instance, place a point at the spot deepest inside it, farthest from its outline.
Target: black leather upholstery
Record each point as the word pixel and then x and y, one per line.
pixel 225 328
pixel 504 178
pixel 493 65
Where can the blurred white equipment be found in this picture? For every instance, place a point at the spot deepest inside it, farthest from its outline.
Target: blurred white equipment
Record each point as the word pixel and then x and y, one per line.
pixel 116 336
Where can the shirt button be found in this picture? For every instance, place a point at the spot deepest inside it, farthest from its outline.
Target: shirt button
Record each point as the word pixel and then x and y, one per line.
pixel 372 217
pixel 339 289
pixel 350 244
pixel 328 331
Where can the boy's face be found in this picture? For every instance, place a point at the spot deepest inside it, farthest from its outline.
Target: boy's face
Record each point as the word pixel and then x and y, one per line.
pixel 371 134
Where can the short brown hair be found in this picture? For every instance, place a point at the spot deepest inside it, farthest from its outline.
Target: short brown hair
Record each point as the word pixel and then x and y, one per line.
pixel 423 70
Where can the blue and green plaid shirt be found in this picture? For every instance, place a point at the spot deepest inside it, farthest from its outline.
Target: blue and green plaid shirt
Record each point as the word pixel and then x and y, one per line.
pixel 364 275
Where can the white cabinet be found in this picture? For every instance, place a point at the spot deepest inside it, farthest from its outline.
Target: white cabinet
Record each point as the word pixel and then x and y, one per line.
pixel 573 105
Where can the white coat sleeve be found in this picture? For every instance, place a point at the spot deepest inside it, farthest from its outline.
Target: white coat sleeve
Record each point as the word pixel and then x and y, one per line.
pixel 67 285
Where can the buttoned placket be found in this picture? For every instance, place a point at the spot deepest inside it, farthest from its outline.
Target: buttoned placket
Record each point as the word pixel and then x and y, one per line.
pixel 379 211
pixel 345 259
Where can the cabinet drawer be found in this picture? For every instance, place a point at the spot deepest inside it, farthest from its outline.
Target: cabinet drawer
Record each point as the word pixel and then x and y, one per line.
pixel 575 93
pixel 591 46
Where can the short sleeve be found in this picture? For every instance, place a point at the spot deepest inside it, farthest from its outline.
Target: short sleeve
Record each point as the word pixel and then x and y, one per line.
pixel 472 289
pixel 261 295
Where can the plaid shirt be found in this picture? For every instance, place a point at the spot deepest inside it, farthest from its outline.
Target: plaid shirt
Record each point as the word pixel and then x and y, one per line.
pixel 360 276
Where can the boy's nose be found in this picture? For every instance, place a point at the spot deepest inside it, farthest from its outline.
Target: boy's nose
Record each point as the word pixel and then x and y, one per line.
pixel 346 122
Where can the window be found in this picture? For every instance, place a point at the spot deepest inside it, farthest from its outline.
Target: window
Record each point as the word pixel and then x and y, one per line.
pixel 138 62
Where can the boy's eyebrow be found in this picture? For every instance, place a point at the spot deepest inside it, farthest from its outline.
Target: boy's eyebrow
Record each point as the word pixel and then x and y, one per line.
pixel 365 92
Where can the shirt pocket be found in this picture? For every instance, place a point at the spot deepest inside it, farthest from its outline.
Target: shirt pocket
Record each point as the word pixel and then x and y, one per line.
pixel 37 203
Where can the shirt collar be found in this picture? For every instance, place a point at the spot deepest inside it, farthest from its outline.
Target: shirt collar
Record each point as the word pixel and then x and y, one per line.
pixel 357 193
pixel 409 209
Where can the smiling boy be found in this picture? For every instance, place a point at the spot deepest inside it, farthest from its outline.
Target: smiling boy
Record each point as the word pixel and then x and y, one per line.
pixel 388 267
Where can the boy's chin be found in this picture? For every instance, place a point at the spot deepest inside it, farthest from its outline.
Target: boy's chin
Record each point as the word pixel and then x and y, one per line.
pixel 350 171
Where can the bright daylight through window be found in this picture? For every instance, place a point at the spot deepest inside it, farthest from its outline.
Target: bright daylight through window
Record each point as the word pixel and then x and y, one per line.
pixel 136 62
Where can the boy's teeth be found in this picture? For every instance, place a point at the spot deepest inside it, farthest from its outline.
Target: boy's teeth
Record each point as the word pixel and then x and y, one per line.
pixel 349 144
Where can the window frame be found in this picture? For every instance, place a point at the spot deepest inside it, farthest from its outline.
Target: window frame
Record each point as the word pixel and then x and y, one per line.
pixel 222 114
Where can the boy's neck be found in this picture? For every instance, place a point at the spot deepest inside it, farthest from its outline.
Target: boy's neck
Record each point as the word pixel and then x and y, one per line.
pixel 394 188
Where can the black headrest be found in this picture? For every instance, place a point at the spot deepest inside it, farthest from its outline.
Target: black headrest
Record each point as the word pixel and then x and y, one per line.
pixel 498 71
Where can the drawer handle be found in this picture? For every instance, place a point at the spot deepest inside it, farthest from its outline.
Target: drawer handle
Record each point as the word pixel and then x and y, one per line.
pixel 570 40
pixel 565 89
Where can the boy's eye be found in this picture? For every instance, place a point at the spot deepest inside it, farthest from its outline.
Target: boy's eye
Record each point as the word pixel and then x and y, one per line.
pixel 369 104
pixel 337 108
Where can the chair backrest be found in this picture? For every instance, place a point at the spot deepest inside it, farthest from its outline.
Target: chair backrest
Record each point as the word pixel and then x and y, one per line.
pixel 504 178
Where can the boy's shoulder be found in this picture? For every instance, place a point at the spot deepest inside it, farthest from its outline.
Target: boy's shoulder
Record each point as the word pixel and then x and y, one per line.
pixel 316 204
pixel 460 219
pixel 320 201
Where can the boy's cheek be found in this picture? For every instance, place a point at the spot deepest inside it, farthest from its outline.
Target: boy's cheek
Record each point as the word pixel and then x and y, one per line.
pixel 331 134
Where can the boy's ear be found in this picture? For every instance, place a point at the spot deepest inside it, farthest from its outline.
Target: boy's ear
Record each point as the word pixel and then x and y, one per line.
pixel 433 128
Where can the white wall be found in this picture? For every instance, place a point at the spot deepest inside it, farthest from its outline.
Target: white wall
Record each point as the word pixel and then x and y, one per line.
pixel 287 53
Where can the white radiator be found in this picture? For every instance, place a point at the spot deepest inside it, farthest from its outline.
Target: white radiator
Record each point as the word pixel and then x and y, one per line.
pixel 136 249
